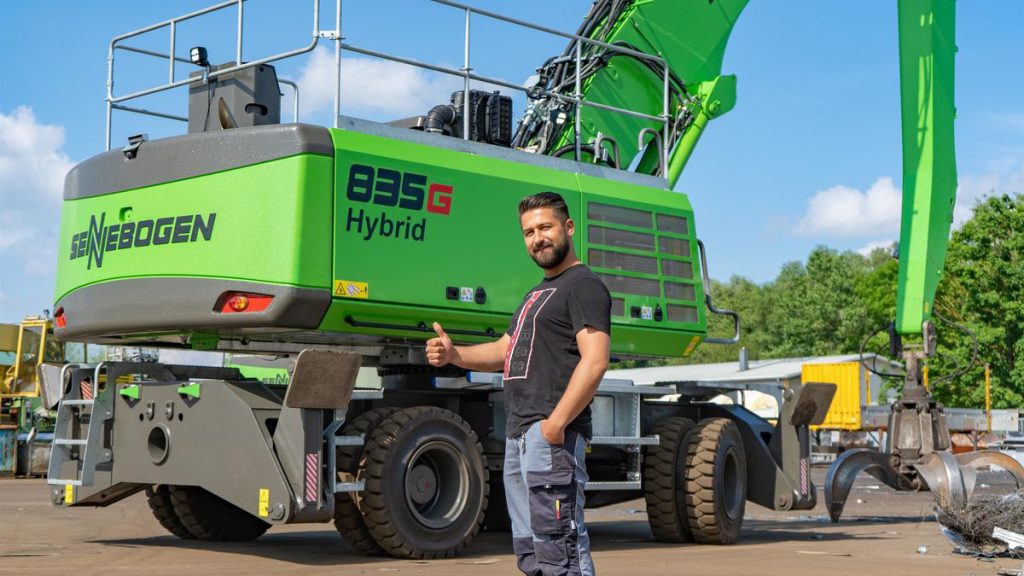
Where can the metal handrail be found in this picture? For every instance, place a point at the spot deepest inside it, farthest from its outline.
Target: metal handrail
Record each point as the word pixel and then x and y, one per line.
pixel 64 375
pixel 495 81
pixel 113 101
pixel 295 103
pixel 466 72
pixel 711 307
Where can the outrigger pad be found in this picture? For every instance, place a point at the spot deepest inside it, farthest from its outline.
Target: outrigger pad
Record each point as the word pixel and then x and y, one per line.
pixel 323 379
pixel 812 403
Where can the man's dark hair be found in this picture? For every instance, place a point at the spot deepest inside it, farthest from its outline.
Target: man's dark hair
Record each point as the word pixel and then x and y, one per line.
pixel 551 200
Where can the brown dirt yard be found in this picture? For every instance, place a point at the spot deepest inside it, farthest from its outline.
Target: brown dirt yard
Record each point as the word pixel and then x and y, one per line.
pixel 882 532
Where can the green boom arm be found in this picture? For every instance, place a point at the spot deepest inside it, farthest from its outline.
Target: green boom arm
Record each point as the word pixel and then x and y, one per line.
pixel 690 36
pixel 927 49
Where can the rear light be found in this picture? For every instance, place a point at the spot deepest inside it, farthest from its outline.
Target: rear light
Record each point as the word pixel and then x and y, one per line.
pixel 238 302
pixel 59 318
pixel 235 302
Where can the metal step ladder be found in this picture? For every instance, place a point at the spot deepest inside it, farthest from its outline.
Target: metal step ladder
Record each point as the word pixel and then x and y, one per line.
pixel 78 431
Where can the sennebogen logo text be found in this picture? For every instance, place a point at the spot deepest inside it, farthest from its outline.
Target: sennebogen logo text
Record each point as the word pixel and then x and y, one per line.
pixel 101 238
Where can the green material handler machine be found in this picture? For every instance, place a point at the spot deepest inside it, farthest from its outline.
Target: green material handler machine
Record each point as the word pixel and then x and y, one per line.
pixel 338 247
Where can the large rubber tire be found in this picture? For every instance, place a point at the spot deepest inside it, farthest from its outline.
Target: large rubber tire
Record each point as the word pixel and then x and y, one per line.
pixel 351 466
pixel 158 497
pixel 716 482
pixel 209 517
pixel 665 483
pixel 426 483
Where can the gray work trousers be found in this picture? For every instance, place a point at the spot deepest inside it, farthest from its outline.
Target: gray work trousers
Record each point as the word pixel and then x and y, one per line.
pixel 544 489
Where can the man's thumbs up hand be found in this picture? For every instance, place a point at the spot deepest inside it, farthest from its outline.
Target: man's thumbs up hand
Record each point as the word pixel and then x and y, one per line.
pixel 440 350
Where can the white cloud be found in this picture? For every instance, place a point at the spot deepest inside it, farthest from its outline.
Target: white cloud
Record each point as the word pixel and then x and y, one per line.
pixel 13 229
pixel 371 85
pixel 870 247
pixel 843 212
pixel 971 189
pixel 32 170
pixel 31 162
pixel 373 88
pixel 847 212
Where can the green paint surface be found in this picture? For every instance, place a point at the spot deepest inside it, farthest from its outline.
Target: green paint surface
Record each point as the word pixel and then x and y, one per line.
pixel 927 50
pixel 133 391
pixel 272 225
pixel 478 244
pixel 192 390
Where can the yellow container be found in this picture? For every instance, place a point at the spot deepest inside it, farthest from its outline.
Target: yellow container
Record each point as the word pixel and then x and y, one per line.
pixel 852 392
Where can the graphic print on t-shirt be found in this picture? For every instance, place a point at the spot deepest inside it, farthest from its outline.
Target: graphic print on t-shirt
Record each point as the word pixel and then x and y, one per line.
pixel 520 349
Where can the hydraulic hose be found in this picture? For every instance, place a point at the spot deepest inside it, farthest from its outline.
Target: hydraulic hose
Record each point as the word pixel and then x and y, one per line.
pixel 439 118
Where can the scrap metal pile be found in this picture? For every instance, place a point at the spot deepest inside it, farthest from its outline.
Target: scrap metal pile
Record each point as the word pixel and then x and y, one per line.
pixel 970 525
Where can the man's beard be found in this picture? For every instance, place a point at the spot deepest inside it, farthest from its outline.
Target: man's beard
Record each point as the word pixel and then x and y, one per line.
pixel 548 259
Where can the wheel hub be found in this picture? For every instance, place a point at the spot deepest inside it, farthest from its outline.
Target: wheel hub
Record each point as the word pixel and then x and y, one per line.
pixel 421 484
pixel 437 484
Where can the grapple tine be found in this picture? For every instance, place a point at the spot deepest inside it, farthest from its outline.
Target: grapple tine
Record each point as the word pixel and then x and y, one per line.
pixel 844 471
pixel 973 460
pixel 942 473
pixel 952 478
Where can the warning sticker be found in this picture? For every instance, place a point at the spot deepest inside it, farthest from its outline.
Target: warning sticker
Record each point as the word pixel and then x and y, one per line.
pixel 69 494
pixel 351 289
pixel 693 344
pixel 264 502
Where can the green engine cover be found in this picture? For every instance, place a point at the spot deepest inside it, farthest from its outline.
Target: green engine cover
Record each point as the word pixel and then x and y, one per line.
pixel 425 233
pixel 393 231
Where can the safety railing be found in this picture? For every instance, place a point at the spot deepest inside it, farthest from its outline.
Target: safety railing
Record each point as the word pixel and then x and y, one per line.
pixel 114 102
pixel 336 36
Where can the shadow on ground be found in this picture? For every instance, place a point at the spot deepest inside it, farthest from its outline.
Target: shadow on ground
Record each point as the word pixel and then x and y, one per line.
pixel 327 548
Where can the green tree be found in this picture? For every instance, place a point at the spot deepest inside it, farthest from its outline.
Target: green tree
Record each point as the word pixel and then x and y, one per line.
pixel 876 289
pixel 747 299
pixel 814 308
pixel 983 289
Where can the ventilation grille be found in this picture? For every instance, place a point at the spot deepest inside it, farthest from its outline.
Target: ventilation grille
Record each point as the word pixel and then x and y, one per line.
pixel 624 262
pixel 631 285
pixel 678 291
pixel 674 246
pixel 624 239
pixel 680 313
pixel 677 269
pixel 619 215
pixel 643 254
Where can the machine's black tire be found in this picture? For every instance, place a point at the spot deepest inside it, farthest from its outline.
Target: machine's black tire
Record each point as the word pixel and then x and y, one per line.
pixel 209 517
pixel 429 454
pixel 348 519
pixel 716 482
pixel 158 497
pixel 665 482
pixel 496 517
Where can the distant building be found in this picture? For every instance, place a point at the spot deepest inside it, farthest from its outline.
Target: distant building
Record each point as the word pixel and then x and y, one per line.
pixel 759 383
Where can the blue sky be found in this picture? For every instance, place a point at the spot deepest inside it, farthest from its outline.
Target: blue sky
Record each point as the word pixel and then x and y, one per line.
pixel 809 156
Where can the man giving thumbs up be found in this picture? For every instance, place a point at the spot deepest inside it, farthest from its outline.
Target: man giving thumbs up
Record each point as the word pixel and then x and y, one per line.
pixel 554 355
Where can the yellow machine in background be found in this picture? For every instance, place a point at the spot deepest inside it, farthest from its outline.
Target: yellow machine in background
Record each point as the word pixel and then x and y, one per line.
pixel 32 343
pixel 23 349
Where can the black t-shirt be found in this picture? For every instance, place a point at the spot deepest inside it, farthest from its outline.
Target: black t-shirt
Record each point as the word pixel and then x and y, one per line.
pixel 543 352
